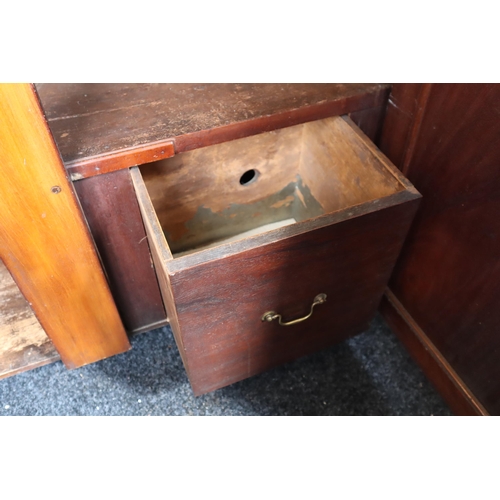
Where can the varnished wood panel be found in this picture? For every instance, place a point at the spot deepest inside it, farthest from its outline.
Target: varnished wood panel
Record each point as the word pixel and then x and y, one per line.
pixel 302 171
pixel 45 242
pixel 102 127
pixel 434 365
pixel 23 343
pixel 448 276
pixel 220 303
pixel 216 297
pixel 370 121
pixel 110 206
pixel 160 253
pixel 405 103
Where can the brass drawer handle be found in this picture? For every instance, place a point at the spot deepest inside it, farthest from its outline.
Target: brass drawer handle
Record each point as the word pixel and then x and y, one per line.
pixel 271 315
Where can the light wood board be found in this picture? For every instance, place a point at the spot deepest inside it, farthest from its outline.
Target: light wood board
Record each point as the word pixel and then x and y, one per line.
pixel 23 343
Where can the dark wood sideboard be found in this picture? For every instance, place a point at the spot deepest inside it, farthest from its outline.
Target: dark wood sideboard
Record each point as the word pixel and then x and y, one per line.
pixel 442 296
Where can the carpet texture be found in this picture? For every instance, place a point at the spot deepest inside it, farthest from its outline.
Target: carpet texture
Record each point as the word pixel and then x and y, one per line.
pixel 371 374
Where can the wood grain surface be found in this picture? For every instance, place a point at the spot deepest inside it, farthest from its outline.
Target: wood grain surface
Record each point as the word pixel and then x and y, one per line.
pixel 219 304
pixel 160 253
pixel 370 121
pixel 301 172
pixel 111 209
pixel 23 343
pixel 45 242
pixel 103 127
pixel 216 297
pixel 448 276
pixel 456 394
pixel 403 105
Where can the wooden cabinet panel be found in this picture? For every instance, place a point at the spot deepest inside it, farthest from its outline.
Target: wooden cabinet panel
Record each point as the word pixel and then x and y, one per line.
pixel 111 209
pixel 45 241
pixel 448 276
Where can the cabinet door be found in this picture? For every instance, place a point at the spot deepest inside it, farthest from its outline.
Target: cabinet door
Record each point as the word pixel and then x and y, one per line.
pixel 44 239
pixel 446 285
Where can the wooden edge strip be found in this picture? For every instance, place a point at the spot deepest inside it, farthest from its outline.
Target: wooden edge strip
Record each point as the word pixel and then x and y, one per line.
pixel 150 219
pixel 284 119
pixel 423 98
pixel 126 158
pixel 31 366
pixel 54 357
pixel 161 256
pixel 390 167
pixel 451 387
pixel 151 326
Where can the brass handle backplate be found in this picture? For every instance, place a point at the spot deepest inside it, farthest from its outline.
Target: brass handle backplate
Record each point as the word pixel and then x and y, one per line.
pixel 271 315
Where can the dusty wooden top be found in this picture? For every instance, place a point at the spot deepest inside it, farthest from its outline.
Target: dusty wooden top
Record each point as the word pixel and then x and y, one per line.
pixel 104 127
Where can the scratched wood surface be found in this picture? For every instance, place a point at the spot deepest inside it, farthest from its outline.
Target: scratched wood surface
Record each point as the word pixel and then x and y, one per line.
pixel 448 274
pixel 370 121
pixel 23 343
pixel 45 242
pixel 300 172
pixel 216 297
pixel 218 304
pixel 104 127
pixel 110 206
pixel 454 391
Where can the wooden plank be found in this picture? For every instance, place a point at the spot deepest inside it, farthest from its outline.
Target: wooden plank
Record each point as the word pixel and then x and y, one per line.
pixel 45 242
pixel 448 274
pixel 110 206
pixel 23 343
pixel 160 253
pixel 456 394
pixel 116 161
pixel 104 127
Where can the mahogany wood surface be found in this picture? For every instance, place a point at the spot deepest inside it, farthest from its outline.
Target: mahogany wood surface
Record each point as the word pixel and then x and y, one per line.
pixel 302 171
pixel 215 298
pixel 456 394
pixel 400 124
pixel 44 240
pixel 219 304
pixel 104 127
pixel 110 206
pixel 23 343
pixel 160 253
pixel 448 276
pixel 370 121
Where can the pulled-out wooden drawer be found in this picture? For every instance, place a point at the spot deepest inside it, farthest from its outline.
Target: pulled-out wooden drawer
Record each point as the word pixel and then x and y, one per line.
pixel 304 223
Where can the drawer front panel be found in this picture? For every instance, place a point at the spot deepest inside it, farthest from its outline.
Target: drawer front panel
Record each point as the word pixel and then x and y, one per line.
pixel 219 304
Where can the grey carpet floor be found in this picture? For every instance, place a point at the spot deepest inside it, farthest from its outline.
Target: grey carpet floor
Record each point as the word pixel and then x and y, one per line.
pixel 371 374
